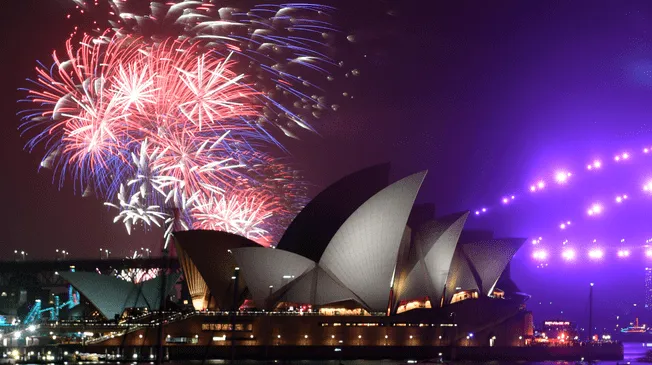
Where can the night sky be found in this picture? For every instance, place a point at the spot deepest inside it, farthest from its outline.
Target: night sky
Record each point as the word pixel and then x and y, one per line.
pixel 488 96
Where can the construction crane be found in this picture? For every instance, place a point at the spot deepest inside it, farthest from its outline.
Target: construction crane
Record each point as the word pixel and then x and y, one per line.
pixel 37 310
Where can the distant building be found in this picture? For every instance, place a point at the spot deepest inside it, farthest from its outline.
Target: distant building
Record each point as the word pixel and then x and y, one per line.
pixel 648 288
pixel 557 333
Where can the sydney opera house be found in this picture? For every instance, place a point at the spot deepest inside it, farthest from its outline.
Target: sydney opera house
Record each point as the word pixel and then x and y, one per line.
pixel 360 266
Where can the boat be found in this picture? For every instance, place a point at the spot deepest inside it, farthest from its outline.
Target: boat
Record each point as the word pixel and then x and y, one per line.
pixel 634 328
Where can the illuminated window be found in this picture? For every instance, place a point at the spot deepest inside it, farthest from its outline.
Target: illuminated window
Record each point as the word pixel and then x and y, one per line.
pixel 498 294
pixel 464 295
pixel 405 306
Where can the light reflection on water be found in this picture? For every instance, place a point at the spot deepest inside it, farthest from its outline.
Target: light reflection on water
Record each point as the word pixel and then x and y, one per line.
pixel 633 351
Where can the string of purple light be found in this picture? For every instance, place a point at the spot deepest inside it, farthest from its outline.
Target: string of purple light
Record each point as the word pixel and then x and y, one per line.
pixel 595 209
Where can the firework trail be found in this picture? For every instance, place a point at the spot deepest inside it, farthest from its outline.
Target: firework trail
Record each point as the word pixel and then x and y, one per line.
pixel 285 50
pixel 136 275
pixel 243 213
pixel 177 107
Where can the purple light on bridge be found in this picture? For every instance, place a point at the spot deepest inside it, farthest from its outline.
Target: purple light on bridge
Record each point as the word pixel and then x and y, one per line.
pixel 562 176
pixel 568 254
pixel 648 186
pixel 595 209
pixel 596 254
pixel 540 255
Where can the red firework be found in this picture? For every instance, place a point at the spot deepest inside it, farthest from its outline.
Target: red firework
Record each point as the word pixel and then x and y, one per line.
pixel 111 94
pixel 240 212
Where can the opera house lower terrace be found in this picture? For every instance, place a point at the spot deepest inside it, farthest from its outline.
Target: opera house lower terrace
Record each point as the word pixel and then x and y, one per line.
pixel 359 268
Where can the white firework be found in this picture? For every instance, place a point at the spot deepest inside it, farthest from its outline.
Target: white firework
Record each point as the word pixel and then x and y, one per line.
pixel 134 87
pixel 135 209
pixel 136 275
pixel 149 178
pixel 209 88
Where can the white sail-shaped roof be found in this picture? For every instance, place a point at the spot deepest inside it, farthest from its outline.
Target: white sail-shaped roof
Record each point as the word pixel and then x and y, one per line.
pixel 199 294
pixel 209 252
pixel 317 287
pixel 267 270
pixel 430 259
pixel 403 261
pixel 276 275
pixel 320 219
pixel 111 296
pixel 437 240
pixel 362 254
pixel 461 276
pixel 489 259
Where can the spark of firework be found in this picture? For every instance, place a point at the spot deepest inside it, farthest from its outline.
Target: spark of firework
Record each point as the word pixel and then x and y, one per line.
pixel 279 180
pixel 112 95
pixel 243 214
pixel 74 115
pixel 287 49
pixel 137 275
pixel 134 209
pixel 148 177
pixel 167 106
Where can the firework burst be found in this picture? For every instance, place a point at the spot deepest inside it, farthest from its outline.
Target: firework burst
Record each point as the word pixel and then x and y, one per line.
pixel 242 213
pixel 137 275
pixel 134 209
pixel 169 108
pixel 286 50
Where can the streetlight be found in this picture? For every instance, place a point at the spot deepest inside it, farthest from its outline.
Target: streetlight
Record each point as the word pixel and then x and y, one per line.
pixel 106 252
pixel 61 254
pixel 469 338
pixel 147 252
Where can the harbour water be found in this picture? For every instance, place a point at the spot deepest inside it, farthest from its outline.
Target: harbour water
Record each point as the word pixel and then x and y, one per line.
pixel 632 352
